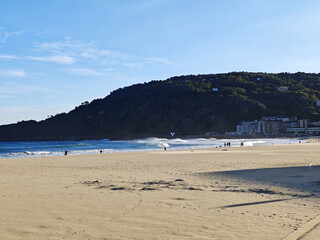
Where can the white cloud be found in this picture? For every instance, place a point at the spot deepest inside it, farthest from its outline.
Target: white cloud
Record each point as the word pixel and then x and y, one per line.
pixel 29 89
pixel 79 49
pixel 67 44
pixel 12 73
pixel 69 51
pixel 101 53
pixel 147 61
pixel 133 64
pixel 88 71
pixel 5 56
pixel 18 109
pixel 160 60
pixel 13 89
pixel 6 96
pixel 61 59
pixel 4 35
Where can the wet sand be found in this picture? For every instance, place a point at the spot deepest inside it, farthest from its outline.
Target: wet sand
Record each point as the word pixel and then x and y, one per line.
pixel 265 192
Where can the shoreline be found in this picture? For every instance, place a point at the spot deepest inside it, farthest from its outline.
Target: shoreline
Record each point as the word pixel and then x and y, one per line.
pixel 59 148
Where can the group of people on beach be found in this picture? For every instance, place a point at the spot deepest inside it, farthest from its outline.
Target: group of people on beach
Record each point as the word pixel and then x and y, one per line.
pixel 228 144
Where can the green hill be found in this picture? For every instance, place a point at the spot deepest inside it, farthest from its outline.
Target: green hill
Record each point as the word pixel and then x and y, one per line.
pixel 187 105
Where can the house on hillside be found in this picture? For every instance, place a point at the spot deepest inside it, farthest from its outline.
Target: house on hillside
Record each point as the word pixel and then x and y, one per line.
pixel 282 89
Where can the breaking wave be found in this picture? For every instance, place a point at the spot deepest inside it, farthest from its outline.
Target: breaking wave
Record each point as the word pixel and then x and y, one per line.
pixel 54 148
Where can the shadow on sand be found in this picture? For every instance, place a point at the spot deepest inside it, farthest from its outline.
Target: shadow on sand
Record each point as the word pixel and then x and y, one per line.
pixel 264 202
pixel 289 182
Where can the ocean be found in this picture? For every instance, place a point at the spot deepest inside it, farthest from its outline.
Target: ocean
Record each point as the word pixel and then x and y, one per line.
pixel 55 148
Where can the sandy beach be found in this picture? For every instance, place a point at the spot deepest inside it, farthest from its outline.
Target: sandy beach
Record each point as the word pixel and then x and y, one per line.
pixel 265 192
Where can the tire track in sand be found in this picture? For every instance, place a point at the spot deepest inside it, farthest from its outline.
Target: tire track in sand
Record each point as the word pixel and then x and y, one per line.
pixel 304 229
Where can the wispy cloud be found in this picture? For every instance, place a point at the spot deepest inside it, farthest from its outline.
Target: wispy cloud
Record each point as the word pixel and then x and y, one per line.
pixel 12 73
pixel 69 51
pixel 148 61
pixel 19 109
pixel 88 71
pixel 66 44
pixel 13 88
pixel 95 53
pixel 160 60
pixel 6 96
pixel 61 59
pixel 8 57
pixel 4 35
pixel 134 64
pixel 79 49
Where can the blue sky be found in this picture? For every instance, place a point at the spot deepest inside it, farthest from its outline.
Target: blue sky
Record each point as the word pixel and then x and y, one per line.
pixel 54 55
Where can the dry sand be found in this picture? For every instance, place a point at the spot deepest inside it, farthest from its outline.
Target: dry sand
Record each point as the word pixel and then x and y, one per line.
pixel 270 192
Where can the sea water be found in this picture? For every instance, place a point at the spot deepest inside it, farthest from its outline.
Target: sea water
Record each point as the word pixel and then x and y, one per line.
pixel 55 148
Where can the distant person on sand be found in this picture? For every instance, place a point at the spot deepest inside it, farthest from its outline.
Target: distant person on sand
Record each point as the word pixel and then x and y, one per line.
pixel 100 151
pixel 65 153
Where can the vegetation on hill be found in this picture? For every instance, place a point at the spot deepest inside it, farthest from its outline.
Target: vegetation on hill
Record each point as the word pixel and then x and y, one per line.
pixel 187 105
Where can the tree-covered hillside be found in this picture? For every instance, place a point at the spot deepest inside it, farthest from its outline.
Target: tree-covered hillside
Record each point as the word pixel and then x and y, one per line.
pixel 187 105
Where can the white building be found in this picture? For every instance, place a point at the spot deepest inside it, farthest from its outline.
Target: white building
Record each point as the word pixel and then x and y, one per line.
pixel 251 127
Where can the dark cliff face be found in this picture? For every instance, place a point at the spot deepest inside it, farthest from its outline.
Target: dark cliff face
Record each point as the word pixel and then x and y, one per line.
pixel 187 105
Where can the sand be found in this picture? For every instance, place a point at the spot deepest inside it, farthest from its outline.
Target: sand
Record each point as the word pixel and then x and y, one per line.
pixel 267 192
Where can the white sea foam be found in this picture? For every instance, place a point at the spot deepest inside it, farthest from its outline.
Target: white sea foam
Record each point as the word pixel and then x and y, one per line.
pixel 253 143
pixel 178 140
pixel 149 141
pixel 41 153
pixel 25 149
pixel 164 145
